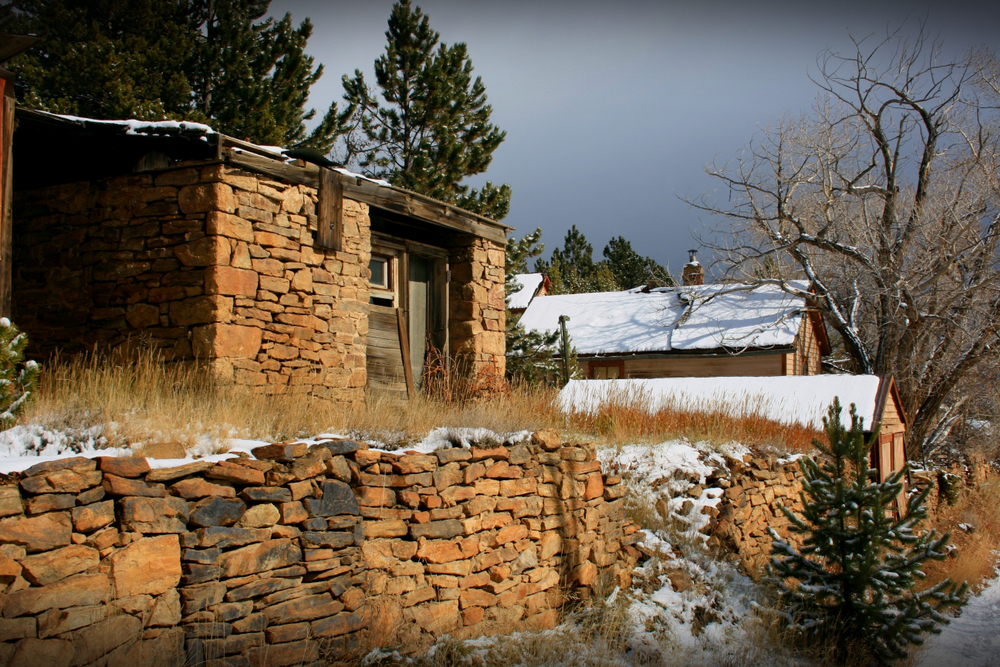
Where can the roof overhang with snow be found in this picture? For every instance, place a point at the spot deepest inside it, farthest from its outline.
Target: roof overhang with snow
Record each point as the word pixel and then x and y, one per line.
pixel 790 399
pixel 729 318
pixel 52 149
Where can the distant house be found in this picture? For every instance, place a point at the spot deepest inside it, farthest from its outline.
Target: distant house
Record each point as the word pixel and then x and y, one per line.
pixel 532 285
pixel 277 274
pixel 787 400
pixel 690 331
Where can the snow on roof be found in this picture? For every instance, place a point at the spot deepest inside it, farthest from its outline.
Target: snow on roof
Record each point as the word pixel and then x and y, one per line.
pixel 697 317
pixel 529 285
pixel 795 399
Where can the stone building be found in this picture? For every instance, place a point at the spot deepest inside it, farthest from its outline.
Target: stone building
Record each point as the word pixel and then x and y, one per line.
pixel 278 274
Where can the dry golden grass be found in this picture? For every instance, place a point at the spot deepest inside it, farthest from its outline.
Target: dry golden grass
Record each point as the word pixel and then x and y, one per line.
pixel 143 401
pixel 975 557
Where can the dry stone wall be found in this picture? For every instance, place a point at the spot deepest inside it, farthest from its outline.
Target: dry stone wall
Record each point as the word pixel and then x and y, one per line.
pixel 300 555
pixel 478 311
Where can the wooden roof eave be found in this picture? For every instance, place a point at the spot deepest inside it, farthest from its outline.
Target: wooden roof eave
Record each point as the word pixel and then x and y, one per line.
pixel 819 328
pixel 389 197
pixel 887 389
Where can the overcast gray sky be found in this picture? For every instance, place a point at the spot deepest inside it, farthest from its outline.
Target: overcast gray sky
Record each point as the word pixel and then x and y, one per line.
pixel 612 110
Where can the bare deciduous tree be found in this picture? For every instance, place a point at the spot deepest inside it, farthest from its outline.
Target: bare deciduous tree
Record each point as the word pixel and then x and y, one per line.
pixel 885 198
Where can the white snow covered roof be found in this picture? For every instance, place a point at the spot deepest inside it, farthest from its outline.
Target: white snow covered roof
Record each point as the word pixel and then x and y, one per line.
pixel 789 399
pixel 697 317
pixel 529 285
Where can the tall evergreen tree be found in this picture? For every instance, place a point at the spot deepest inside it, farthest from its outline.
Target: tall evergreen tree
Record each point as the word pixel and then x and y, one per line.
pixel 852 584
pixel 108 58
pixel 572 269
pixel 630 269
pixel 529 353
pixel 215 61
pixel 431 128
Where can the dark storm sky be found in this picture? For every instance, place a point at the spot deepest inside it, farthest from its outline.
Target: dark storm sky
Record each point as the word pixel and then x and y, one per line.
pixel 612 110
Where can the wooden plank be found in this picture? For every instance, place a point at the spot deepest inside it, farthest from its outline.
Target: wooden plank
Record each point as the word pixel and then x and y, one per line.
pixel 404 348
pixel 330 213
pixel 278 170
pixel 692 366
pixel 6 216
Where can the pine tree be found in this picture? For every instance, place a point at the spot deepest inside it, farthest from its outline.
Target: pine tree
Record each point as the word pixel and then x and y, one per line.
pixel 252 76
pixel 107 59
pixel 214 61
pixel 630 269
pixel 852 582
pixel 431 128
pixel 572 270
pixel 529 353
pixel 18 378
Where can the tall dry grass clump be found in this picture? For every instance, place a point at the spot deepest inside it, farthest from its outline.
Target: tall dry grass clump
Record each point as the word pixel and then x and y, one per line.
pixel 628 415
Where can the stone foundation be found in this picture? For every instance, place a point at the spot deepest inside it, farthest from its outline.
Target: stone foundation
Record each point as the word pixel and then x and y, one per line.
pixel 302 555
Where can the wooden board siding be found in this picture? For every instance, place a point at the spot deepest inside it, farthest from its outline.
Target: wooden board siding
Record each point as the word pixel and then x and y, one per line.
pixel 891 422
pixel 385 361
pixel 807 355
pixel 694 366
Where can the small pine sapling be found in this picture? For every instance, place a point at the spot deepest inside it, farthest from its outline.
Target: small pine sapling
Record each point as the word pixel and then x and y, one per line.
pixel 852 583
pixel 18 378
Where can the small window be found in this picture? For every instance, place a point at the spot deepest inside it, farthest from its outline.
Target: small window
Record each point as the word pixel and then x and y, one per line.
pixel 605 370
pixel 379 266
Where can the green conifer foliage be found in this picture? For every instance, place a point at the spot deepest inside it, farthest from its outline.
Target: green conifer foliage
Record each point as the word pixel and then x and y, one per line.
pixel 852 584
pixel 428 125
pixel 18 377
pixel 572 270
pixel 215 61
pixel 630 269
pixel 529 353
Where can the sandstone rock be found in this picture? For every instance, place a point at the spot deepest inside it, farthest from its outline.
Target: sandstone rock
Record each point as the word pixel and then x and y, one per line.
pixel 370 496
pixel 302 609
pixel 50 502
pixel 252 623
pixel 10 501
pixel 123 467
pixel 292 512
pixel 282 452
pixel 259 557
pixel 197 598
pixel 77 464
pixel 341 447
pixel 439 551
pixel 170 474
pixel 480 454
pixel 122 486
pixel 48 568
pixel 339 468
pixel 476 597
pixel 390 528
pixel 547 438
pixel 260 516
pixel 584 574
pixel 595 487
pixel 64 480
pixel 155 515
pixel 105 636
pixel 206 197
pixel 90 496
pixel 196 487
pixel 77 591
pixel 303 652
pixel 166 611
pixel 38 652
pixel 230 472
pixel 337 499
pixel 149 566
pixel 261 587
pixel 415 463
pixel 9 568
pixel 206 309
pixel 88 518
pixel 230 281
pixel 217 511
pixel 438 618
pixel 333 540
pixel 217 340
pixel 41 533
pixel 445 456
pixel 437 529
pixel 225 537
pixel 223 224
pixel 550 544
pixel 12 629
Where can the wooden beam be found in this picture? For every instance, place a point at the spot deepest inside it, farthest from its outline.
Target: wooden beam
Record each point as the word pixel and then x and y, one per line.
pixel 404 348
pixel 330 213
pixel 374 194
pixel 6 217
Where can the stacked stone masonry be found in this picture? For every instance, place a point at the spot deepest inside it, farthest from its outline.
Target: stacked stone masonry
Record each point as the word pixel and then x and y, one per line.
pixel 218 264
pixel 302 555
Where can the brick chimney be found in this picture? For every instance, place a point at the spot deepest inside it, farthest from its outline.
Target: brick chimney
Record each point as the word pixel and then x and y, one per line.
pixel 693 272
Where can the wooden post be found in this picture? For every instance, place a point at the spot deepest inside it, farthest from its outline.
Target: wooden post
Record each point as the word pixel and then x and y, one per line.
pixel 330 216
pixel 6 213
pixel 404 348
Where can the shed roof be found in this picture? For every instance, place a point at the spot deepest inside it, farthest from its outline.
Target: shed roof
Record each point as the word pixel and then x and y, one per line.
pixel 530 283
pixel 185 140
pixel 698 317
pixel 788 399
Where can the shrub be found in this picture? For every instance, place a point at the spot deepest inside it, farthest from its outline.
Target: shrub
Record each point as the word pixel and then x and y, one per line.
pixel 852 585
pixel 18 378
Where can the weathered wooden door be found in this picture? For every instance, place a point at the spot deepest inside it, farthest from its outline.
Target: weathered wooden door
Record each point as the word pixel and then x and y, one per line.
pixel 421 307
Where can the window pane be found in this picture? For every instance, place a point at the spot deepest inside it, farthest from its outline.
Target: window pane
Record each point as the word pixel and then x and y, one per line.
pixel 377 267
pixel 612 372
